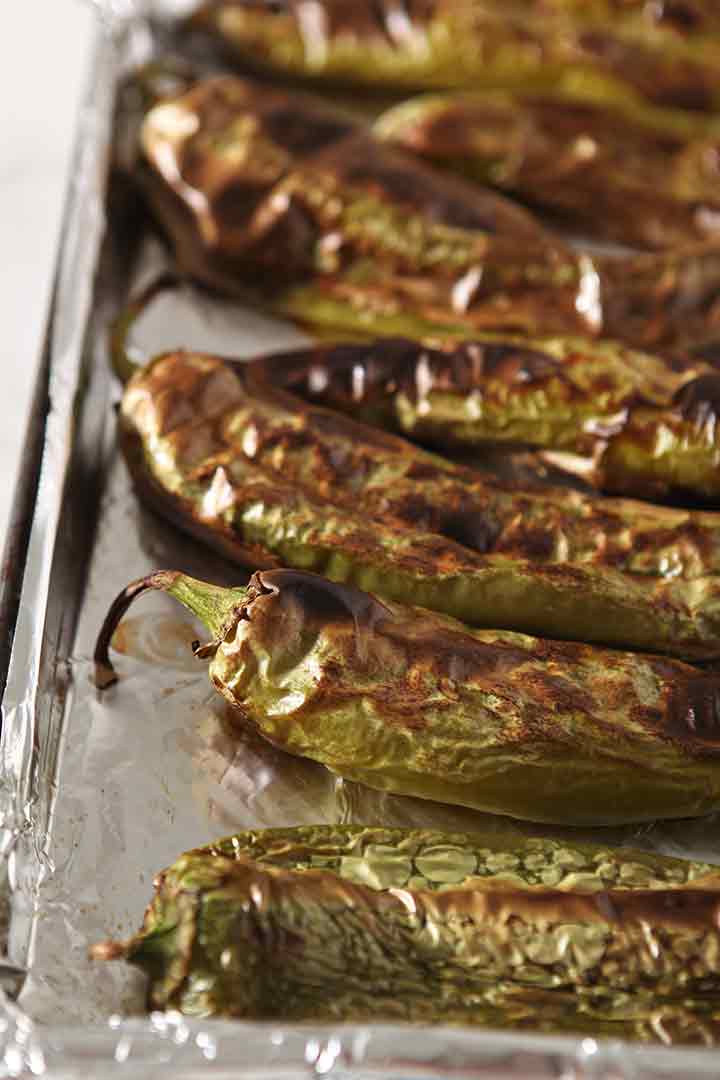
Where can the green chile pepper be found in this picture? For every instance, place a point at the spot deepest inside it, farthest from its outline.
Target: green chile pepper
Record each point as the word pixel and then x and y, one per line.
pixel 634 176
pixel 269 481
pixel 626 422
pixel 280 199
pixel 339 923
pixel 668 52
pixel 413 702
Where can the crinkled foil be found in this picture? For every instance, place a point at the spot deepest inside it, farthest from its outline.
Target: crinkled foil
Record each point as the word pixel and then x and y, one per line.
pixel 98 793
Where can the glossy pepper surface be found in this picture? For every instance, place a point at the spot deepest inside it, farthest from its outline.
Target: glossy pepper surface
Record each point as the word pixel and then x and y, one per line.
pixel 627 422
pixel 332 923
pixel 269 480
pixel 634 176
pixel 409 701
pixel 279 198
pixel 667 52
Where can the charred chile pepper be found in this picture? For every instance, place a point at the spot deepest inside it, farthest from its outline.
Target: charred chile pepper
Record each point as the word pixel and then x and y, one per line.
pixel 627 422
pixel 668 52
pixel 332 923
pixel 633 176
pixel 410 701
pixel 269 480
pixel 278 198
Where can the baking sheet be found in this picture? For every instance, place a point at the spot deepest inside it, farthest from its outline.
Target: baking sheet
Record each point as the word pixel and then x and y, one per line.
pixel 99 792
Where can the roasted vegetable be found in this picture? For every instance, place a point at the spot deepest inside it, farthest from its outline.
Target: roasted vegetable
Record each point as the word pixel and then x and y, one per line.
pixel 633 176
pixel 409 701
pixel 279 198
pixel 669 52
pixel 332 923
pixel 268 480
pixel 627 422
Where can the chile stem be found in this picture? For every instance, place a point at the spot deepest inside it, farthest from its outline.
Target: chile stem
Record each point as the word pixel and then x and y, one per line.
pixel 125 358
pixel 212 604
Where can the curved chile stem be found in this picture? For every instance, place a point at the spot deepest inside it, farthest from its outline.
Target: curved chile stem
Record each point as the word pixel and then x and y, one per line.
pixel 162 580
pixel 123 363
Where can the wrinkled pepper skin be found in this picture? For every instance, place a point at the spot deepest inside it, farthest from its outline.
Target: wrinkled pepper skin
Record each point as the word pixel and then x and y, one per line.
pixel 630 176
pixel 278 198
pixel 409 701
pixel 269 480
pixel 332 923
pixel 627 422
pixel 666 54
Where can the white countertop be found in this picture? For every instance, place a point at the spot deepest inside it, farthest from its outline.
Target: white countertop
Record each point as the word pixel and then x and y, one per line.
pixel 44 54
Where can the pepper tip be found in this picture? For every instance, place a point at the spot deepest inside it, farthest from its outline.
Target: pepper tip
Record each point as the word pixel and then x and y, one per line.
pixel 105 675
pixel 107 950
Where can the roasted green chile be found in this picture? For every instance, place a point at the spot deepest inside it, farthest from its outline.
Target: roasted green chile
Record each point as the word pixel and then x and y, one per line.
pixel 633 176
pixel 269 480
pixel 341 923
pixel 627 422
pixel 668 51
pixel 412 702
pixel 279 198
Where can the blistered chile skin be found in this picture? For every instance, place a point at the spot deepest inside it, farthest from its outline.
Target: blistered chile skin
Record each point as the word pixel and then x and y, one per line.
pixel 331 923
pixel 631 175
pixel 277 197
pixel 412 702
pixel 668 52
pixel 628 422
pixel 269 480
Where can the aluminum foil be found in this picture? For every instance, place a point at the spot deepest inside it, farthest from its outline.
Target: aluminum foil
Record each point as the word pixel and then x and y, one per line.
pixel 99 792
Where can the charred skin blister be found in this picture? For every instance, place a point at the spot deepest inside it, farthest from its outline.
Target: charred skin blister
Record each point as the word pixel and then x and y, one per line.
pixel 412 702
pixel 342 923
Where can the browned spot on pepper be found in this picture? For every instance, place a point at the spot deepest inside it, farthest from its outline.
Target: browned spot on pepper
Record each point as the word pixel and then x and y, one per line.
pixel 561 694
pixel 534 543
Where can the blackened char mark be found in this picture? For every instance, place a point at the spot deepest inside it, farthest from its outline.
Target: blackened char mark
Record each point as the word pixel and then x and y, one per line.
pixel 472 528
pixel 320 598
pixel 472 363
pixel 679 14
pixel 234 206
pixel 699 400
pixel 358 373
pixel 530 543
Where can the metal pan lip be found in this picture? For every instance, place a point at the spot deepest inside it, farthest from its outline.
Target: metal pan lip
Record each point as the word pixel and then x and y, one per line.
pixel 169 1044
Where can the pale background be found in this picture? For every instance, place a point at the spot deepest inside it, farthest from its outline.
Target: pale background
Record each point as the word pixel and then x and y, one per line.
pixel 44 53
